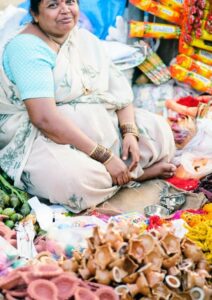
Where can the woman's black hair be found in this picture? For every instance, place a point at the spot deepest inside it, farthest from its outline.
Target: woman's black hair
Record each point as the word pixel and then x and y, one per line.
pixel 34 5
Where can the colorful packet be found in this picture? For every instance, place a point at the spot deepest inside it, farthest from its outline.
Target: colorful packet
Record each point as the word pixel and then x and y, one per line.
pixel 201 44
pixel 195 80
pixel 194 65
pixel 176 5
pixel 135 218
pixel 151 76
pixel 154 59
pixel 201 55
pixel 158 10
pixel 154 30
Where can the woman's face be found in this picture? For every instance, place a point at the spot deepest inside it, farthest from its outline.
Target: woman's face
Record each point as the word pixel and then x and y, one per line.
pixel 57 17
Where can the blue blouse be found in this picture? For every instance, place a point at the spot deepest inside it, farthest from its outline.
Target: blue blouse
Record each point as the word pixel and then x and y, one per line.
pixel 28 62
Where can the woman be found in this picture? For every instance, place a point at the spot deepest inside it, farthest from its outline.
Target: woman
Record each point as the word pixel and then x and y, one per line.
pixel 68 127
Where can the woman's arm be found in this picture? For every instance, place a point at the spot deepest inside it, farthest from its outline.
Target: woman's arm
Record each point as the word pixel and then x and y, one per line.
pixel 126 115
pixel 130 143
pixel 47 118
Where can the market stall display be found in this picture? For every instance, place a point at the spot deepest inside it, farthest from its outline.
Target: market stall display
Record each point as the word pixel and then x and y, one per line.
pixel 193 32
pixel 47 252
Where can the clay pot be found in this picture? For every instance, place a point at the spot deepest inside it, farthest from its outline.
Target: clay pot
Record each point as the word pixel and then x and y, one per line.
pixel 47 270
pixel 136 250
pixel 148 242
pixel 197 293
pixel 129 265
pixel 66 286
pixel 114 238
pixel 122 290
pixel 98 238
pixel 122 249
pixel 104 256
pixel 10 281
pixel 84 273
pixel 103 276
pixel 172 261
pixel 91 265
pixel 172 281
pixel 42 289
pixel 117 263
pixel 70 265
pixel 154 278
pixel 118 274
pixel 141 286
pixel 82 293
pixel 155 259
pixel 104 293
pixel 161 291
pixel 77 256
pixel 171 243
pixel 131 278
pixel 192 251
pixel 18 293
pixel 193 279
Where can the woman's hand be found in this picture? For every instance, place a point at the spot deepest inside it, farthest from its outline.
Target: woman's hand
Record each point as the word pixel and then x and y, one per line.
pixel 118 171
pixel 130 148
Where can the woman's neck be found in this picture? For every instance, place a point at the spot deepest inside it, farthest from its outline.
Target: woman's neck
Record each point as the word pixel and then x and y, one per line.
pixel 57 40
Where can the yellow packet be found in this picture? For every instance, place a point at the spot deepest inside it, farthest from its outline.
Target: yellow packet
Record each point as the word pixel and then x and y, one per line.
pixel 195 80
pixel 173 4
pixel 194 65
pixel 201 44
pixel 201 55
pixel 154 30
pixel 158 10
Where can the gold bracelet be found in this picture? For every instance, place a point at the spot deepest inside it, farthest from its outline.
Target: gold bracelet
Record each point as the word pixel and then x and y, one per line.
pixel 129 128
pixel 101 154
pixel 94 149
pixel 109 159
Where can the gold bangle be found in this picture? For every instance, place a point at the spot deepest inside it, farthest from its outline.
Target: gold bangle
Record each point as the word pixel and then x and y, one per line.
pixel 129 128
pixel 94 149
pixel 109 159
pixel 101 154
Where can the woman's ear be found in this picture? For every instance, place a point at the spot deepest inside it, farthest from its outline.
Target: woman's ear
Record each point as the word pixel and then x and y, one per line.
pixel 35 20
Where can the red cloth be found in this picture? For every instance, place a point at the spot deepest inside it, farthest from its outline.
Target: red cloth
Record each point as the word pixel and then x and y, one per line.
pixel 188 101
pixel 185 184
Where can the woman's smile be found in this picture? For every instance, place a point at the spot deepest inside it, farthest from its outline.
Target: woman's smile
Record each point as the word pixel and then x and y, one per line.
pixel 65 20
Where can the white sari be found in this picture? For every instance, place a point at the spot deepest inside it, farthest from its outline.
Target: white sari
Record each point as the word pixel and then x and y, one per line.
pixel 61 173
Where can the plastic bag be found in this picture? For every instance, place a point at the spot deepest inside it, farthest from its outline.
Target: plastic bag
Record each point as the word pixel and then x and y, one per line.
pixel 102 14
pixel 73 232
pixel 194 166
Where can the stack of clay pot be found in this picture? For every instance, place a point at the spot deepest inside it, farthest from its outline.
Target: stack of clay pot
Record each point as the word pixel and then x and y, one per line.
pixel 45 280
pixel 152 265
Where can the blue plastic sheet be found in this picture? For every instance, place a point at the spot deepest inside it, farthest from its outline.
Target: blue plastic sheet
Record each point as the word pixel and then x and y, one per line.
pixel 101 14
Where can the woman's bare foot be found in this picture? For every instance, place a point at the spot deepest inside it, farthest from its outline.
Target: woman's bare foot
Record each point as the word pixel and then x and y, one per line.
pixel 160 170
